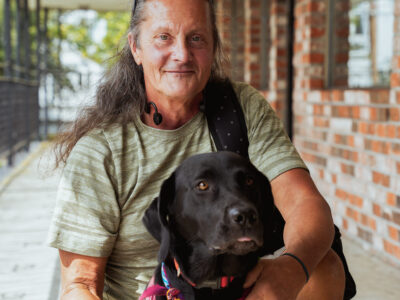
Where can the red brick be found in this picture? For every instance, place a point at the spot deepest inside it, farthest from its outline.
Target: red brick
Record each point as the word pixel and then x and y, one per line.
pixel 381 179
pixel 312 58
pixel 337 95
pixel 321 122
pixel 342 58
pixel 343 32
pixel 393 233
pixel 345 224
pixel 394 114
pixel 341 194
pixel 381 130
pixel 353 214
pixel 334 177
pixel 356 201
pixel 355 112
pixel 314 83
pixel 376 210
pixel 363 127
pixel 372 223
pixel 395 80
pixel 317 32
pixel 380 96
pixel 391 131
pixel 391 199
pixel 351 141
pixel 391 248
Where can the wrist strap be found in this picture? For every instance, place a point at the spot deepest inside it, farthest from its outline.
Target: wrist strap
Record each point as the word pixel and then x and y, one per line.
pixel 300 262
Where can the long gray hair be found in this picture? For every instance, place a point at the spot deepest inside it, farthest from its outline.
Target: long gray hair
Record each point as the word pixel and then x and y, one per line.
pixel 121 92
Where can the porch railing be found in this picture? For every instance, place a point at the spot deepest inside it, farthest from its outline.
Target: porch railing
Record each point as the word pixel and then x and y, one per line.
pixel 19 116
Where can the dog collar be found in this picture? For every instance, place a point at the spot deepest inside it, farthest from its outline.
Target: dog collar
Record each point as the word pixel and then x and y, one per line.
pixel 179 273
pixel 219 283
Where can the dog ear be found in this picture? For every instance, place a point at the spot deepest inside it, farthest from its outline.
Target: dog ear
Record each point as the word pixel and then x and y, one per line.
pixel 166 197
pixel 151 220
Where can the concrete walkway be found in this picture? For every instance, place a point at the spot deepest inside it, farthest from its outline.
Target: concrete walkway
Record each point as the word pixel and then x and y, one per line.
pixel 29 269
pixel 27 265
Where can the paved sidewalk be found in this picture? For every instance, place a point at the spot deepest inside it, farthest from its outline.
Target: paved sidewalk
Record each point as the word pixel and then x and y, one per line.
pixel 29 270
pixel 27 265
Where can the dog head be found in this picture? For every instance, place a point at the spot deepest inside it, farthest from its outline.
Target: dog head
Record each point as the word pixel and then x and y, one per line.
pixel 214 212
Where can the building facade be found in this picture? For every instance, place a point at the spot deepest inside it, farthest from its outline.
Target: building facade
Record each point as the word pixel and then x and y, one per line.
pixel 331 70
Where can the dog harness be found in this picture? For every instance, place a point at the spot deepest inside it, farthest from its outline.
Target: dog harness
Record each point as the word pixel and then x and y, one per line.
pixel 171 293
pixel 157 290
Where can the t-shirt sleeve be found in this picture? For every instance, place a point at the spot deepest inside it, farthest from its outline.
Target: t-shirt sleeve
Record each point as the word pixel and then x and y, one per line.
pixel 270 149
pixel 86 216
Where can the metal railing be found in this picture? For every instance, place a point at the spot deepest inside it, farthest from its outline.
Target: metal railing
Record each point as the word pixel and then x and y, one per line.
pixel 19 116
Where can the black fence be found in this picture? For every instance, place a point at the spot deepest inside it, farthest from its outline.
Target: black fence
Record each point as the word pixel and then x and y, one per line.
pixel 19 116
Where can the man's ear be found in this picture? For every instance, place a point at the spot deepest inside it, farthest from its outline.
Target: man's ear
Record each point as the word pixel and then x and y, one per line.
pixel 136 52
pixel 166 197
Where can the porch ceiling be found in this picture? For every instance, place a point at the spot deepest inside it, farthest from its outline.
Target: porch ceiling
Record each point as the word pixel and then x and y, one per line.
pixel 100 5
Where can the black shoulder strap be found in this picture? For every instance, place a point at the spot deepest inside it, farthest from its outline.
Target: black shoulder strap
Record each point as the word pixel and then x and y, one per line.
pixel 225 118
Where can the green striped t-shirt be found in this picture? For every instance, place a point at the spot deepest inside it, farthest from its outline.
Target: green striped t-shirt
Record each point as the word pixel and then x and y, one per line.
pixel 113 174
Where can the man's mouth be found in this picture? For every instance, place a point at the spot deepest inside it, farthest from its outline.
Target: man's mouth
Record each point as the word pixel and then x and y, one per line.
pixel 180 72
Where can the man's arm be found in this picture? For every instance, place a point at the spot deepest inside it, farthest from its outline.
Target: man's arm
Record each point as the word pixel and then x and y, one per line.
pixel 309 226
pixel 82 277
pixel 308 234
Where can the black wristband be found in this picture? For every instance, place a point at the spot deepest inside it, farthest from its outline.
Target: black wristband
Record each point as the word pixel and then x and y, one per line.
pixel 300 262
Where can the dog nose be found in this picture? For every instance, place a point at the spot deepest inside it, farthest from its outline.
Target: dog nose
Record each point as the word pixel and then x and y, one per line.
pixel 243 217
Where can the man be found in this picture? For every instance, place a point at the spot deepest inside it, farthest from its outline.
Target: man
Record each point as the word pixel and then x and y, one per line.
pixel 173 48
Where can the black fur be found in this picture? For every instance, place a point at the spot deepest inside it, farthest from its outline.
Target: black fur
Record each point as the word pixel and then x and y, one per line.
pixel 201 229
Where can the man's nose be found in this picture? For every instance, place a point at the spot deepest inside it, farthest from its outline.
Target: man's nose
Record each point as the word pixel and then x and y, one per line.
pixel 181 51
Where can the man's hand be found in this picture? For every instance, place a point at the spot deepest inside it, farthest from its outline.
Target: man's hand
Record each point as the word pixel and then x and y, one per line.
pixel 280 278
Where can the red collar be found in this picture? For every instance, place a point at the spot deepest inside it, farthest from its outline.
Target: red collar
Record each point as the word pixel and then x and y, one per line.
pixel 224 281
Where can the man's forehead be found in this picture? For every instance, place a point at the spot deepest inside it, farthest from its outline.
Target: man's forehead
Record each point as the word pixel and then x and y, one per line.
pixel 176 10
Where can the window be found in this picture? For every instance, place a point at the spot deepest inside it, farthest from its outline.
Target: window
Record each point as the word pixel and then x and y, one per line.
pixel 371 42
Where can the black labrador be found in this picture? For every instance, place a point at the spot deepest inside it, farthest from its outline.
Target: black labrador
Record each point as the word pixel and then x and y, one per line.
pixel 214 217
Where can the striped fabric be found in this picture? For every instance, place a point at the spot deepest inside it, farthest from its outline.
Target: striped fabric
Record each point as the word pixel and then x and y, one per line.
pixel 112 176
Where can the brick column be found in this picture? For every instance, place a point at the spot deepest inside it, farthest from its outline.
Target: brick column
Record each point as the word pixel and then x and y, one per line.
pixel 390 210
pixel 224 20
pixel 310 44
pixel 278 63
pixel 339 35
pixel 252 46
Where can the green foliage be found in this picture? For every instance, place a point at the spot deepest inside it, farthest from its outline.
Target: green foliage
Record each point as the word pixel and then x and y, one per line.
pixel 82 36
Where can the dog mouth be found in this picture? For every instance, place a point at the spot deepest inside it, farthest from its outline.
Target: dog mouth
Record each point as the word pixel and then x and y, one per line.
pixel 240 246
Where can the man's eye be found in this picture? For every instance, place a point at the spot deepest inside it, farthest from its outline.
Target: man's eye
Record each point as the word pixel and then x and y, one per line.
pixel 202 185
pixel 196 38
pixel 163 37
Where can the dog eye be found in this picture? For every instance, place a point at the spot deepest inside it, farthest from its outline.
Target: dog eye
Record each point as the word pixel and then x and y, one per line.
pixel 202 185
pixel 249 181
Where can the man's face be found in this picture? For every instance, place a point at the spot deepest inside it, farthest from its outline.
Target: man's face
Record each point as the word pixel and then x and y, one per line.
pixel 175 48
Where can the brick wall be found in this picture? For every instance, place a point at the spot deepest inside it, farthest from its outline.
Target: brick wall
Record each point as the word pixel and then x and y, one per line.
pixel 349 138
pixel 247 44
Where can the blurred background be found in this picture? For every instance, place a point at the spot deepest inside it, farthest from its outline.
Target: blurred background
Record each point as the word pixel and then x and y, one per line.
pixel 329 68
